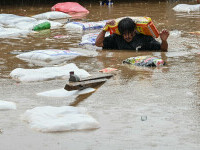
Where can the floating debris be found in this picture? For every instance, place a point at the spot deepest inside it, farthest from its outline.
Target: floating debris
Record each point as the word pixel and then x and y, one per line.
pixel 143 118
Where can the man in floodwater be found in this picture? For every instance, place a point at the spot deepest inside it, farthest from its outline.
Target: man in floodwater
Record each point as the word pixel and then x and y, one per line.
pixel 129 39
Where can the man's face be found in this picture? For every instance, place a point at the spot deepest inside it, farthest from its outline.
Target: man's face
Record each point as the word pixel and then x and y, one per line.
pixel 128 37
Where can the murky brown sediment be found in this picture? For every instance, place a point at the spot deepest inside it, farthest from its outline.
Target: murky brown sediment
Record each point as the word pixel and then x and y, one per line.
pixel 168 96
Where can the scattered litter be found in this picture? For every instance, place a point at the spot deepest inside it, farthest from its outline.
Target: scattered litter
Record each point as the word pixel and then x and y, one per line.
pixel 186 8
pixel 42 26
pixel 106 70
pixel 65 118
pixel 196 32
pixel 52 15
pixel 147 61
pixel 64 93
pixel 143 118
pixel 61 36
pixel 5 105
pixel 175 33
pixel 47 73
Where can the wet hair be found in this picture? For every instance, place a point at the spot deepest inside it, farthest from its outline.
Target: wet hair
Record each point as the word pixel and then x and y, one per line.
pixel 126 25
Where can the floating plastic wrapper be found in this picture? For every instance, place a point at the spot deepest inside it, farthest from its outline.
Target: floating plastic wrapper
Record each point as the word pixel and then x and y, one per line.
pixel 147 61
pixel 42 26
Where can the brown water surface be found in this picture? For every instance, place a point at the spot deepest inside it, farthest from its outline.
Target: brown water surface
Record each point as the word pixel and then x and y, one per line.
pixel 168 96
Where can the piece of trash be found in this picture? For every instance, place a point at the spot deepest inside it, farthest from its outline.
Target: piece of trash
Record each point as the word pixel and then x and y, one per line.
pixel 60 36
pixel 147 61
pixel 42 26
pixel 143 118
pixel 89 82
pixel 1 131
pixel 196 32
pixel 57 119
pixel 106 70
pixel 73 77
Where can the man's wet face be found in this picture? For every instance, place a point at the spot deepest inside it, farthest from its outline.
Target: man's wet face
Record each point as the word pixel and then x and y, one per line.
pixel 128 36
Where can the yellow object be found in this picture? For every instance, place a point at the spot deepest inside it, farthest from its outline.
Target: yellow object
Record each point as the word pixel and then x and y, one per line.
pixel 144 25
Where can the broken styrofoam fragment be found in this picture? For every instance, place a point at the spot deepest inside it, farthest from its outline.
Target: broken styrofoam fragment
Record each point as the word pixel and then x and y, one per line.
pixel 186 8
pixel 5 105
pixel 64 93
pixel 65 118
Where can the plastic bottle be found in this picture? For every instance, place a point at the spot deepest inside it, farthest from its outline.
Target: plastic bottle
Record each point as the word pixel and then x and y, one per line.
pixel 42 26
pixel 73 77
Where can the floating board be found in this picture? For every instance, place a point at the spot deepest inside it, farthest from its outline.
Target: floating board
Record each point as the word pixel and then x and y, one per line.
pixel 87 82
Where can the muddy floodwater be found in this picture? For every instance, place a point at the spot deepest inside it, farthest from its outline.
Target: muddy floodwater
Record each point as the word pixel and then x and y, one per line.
pixel 139 108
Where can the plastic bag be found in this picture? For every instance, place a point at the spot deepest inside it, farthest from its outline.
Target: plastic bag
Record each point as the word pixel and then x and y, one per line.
pixel 147 61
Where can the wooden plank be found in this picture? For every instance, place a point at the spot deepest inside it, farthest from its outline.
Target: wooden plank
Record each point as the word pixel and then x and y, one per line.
pixel 84 84
pixel 94 77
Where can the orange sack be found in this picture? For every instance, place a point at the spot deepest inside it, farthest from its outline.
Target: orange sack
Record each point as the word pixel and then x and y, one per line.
pixel 144 25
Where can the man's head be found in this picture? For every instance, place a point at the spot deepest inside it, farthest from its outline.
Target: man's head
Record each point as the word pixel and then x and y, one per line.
pixel 126 28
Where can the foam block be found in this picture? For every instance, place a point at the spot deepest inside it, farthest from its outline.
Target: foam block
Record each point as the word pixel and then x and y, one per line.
pixel 65 118
pixel 186 8
pixel 4 105
pixel 64 93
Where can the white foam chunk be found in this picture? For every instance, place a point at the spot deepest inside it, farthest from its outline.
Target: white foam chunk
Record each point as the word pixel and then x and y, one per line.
pixel 5 105
pixel 65 118
pixel 64 93
pixel 49 55
pixel 186 8
pixel 79 26
pixel 47 73
pixel 175 33
pixel 51 15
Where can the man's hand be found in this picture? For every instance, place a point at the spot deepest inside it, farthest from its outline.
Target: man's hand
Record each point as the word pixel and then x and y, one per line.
pixel 109 22
pixel 164 35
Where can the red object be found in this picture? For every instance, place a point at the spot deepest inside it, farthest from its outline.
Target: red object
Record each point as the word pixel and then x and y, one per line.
pixel 69 7
pixel 107 70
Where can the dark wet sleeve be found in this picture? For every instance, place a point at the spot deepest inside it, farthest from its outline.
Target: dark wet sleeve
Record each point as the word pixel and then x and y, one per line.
pixel 109 42
pixel 152 44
